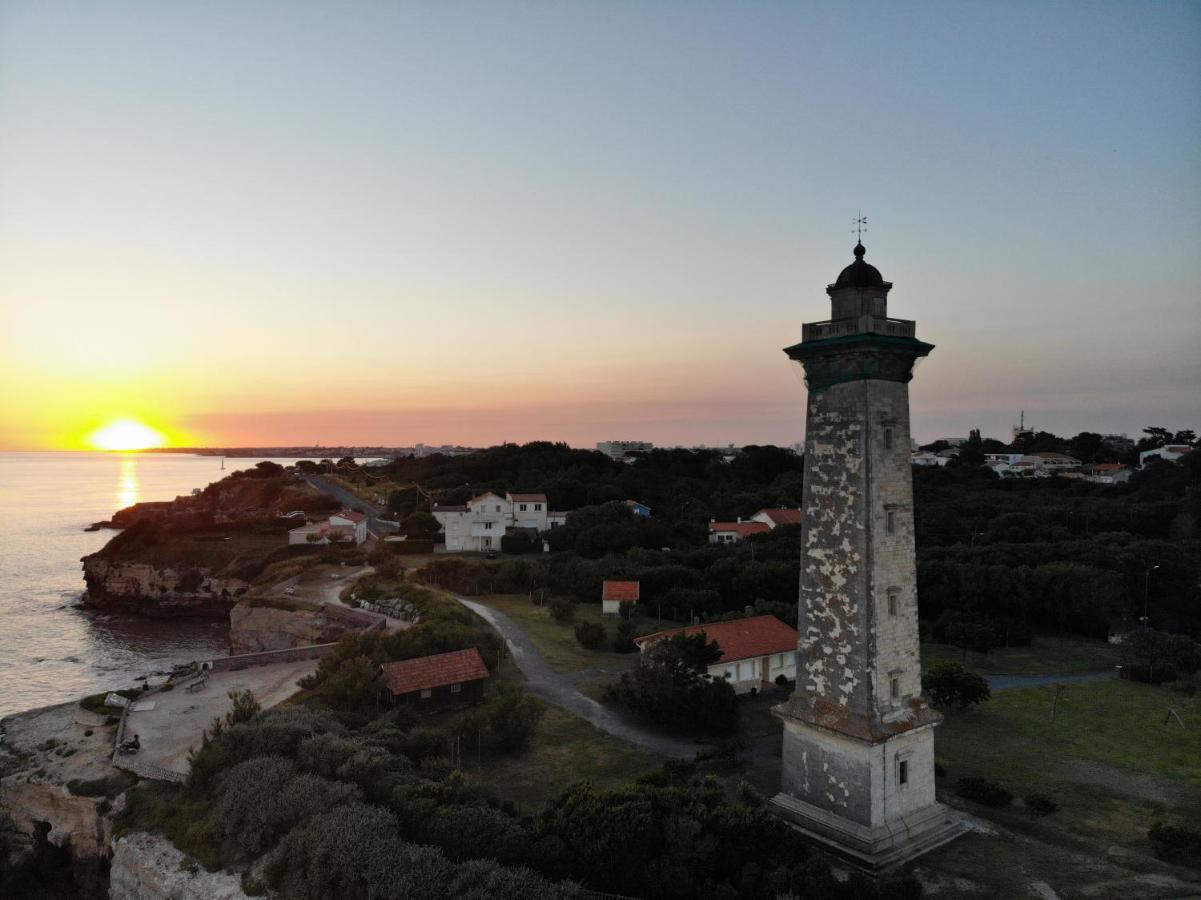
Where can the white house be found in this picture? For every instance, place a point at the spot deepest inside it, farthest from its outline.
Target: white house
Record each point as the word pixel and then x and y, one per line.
pixel 733 532
pixel 615 593
pixel 926 458
pixel 774 518
pixel 483 520
pixel 1170 453
pixel 344 526
pixel 754 651
pixel 1109 473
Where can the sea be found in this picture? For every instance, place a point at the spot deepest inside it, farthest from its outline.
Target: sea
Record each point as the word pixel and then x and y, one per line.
pixel 51 650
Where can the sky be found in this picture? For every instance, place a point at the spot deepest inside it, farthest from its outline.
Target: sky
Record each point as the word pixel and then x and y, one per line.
pixel 381 223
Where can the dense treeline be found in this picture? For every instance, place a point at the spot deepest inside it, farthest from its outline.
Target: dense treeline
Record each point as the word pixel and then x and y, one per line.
pixel 1018 554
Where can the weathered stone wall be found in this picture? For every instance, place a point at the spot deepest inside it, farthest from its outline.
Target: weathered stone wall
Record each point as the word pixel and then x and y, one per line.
pixel 829 772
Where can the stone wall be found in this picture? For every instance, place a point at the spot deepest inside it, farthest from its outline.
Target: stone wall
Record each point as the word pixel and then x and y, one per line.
pixel 267 657
pixel 148 867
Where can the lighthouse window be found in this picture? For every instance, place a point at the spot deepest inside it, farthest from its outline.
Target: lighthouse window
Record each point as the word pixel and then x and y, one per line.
pixel 892 601
pixel 903 772
pixel 894 687
pixel 890 521
pixel 887 438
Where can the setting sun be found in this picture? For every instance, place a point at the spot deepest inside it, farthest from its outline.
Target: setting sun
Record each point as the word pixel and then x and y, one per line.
pixel 125 434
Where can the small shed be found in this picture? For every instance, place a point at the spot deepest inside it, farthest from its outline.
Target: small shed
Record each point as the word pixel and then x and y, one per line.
pixel 615 593
pixel 443 679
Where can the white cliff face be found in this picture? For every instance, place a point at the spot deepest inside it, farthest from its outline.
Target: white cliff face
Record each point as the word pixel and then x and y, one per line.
pixel 148 867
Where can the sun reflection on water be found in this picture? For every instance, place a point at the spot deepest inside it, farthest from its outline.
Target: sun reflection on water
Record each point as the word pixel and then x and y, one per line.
pixel 127 483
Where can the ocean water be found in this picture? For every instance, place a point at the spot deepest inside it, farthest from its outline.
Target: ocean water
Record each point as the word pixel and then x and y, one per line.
pixel 50 650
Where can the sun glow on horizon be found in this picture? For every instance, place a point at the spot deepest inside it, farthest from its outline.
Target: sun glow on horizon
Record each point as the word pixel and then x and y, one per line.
pixel 126 434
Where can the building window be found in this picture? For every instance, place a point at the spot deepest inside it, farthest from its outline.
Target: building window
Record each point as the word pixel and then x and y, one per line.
pixel 892 601
pixel 521 507
pixel 537 507
pixel 902 772
pixel 498 507
pixel 894 687
pixel 426 694
pixel 456 688
pixel 890 521
pixel 887 438
pixel 487 526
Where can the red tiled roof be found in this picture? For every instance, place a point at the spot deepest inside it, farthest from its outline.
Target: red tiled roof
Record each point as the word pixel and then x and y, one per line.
pixel 743 528
pixel 355 517
pixel 782 516
pixel 528 498
pixel 425 672
pixel 622 591
pixel 1107 467
pixel 485 494
pixel 739 639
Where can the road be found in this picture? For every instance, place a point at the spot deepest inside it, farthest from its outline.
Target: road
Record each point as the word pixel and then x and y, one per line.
pixel 353 502
pixel 557 688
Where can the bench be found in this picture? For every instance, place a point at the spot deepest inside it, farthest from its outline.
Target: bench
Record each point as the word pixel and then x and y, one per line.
pixel 197 683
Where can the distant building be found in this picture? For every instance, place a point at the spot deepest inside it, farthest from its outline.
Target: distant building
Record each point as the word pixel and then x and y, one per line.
pixel 1171 453
pixel 480 523
pixel 639 509
pixel 774 518
pixel 927 459
pixel 733 532
pixel 615 593
pixel 1109 473
pixel 440 680
pixel 618 449
pixel 344 526
pixel 754 651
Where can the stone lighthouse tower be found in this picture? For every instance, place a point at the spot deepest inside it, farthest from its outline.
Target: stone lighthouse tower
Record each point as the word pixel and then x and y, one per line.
pixel 858 759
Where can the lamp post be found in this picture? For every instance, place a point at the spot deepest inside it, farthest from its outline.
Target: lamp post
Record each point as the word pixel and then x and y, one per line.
pixel 1147 592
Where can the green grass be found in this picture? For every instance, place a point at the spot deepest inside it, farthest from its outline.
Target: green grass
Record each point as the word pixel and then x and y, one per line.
pixel 1045 656
pixel 557 642
pixel 565 750
pixel 1109 762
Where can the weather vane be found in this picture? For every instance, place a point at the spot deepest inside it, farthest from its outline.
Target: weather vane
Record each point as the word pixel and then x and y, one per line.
pixel 860 224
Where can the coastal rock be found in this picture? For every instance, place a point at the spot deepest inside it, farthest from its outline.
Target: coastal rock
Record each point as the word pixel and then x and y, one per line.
pixel 255 627
pixel 170 591
pixel 148 867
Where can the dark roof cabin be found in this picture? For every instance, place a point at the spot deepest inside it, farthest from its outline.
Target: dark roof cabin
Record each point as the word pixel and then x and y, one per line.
pixel 438 680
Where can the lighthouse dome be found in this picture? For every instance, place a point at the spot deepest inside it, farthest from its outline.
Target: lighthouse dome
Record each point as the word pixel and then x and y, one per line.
pixel 859 274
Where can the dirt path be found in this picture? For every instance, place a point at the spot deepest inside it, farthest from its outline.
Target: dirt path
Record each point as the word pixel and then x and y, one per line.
pixel 559 689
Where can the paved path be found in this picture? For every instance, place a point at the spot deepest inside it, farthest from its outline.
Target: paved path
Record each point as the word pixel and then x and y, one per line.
pixel 1010 682
pixel 557 688
pixel 353 502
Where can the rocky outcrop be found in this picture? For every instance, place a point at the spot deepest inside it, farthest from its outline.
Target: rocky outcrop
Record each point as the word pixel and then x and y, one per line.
pixel 148 867
pixel 169 591
pixel 255 627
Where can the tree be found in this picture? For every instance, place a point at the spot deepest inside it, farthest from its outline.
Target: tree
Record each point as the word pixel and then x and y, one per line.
pixel 950 685
pixel 420 526
pixel 969 635
pixel 623 641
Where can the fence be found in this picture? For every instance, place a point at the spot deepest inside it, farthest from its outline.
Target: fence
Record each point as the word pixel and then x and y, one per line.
pixel 266 657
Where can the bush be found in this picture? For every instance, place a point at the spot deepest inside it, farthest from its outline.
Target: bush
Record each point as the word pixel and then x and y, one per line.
pixel 951 685
pixel 561 609
pixel 983 791
pixel 623 641
pixel 1175 843
pixel 591 635
pixel 108 786
pixel 1040 805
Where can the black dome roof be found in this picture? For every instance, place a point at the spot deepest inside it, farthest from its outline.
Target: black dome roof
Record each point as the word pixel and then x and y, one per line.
pixel 859 274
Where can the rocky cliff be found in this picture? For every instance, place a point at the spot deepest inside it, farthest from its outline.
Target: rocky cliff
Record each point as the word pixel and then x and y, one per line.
pixel 254 627
pixel 168 591
pixel 148 867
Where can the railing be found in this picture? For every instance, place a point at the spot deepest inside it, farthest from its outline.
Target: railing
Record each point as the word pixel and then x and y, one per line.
pixel 817 331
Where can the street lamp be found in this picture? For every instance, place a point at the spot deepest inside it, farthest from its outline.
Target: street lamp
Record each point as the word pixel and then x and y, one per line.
pixel 1147 593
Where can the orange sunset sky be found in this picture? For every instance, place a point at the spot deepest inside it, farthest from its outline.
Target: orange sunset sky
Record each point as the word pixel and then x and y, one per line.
pixel 281 223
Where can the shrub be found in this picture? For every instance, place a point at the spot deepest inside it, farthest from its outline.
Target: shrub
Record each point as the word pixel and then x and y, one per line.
pixel 512 718
pixel 561 609
pixel 261 799
pixel 473 832
pixel 1040 805
pixel 108 786
pixel 623 640
pixel 1175 843
pixel 951 685
pixel 983 791
pixel 591 635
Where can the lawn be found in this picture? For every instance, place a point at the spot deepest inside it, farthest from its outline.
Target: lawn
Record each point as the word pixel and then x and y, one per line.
pixel 1109 762
pixel 565 750
pixel 1045 656
pixel 557 642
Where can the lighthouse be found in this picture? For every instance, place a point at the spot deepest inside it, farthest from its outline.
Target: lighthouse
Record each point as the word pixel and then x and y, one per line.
pixel 857 768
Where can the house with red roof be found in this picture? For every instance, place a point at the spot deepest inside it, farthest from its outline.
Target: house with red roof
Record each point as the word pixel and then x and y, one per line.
pixel 774 518
pixel 615 593
pixel 348 526
pixel 754 651
pixel 733 532
pixel 440 680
